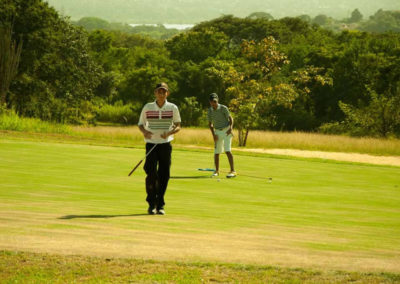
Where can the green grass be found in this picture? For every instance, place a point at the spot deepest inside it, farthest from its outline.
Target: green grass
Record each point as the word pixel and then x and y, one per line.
pixel 18 267
pixel 11 121
pixel 72 199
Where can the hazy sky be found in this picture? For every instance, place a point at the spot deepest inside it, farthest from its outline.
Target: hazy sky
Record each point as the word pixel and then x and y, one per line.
pixel 194 11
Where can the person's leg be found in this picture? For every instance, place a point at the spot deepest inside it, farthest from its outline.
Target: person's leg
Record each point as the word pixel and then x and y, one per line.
pixel 216 162
pixel 217 150
pixel 150 167
pixel 228 149
pixel 164 166
pixel 230 159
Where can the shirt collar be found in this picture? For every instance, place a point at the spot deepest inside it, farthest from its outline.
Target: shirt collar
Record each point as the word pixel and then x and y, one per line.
pixel 218 107
pixel 155 102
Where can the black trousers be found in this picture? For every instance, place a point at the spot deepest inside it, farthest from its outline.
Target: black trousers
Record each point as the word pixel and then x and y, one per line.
pixel 157 168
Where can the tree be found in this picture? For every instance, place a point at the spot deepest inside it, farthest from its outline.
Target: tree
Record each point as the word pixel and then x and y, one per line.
pixel 321 20
pixel 383 21
pixel 380 117
pixel 10 53
pixel 260 15
pixel 191 111
pixel 251 86
pixel 197 46
pixel 305 18
pixel 57 76
pixel 93 23
pixel 356 16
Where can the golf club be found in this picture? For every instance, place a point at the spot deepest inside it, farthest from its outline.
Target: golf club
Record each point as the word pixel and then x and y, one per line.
pixel 138 164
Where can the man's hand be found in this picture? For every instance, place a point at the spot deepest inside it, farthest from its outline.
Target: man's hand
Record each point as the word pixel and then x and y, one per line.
pixel 215 137
pixel 147 134
pixel 165 135
pixel 229 131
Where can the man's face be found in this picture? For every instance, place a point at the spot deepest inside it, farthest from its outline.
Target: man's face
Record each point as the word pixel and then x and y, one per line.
pixel 161 95
pixel 214 104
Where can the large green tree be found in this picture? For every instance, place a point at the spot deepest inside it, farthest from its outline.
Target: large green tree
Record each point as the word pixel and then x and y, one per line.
pixel 252 86
pixel 57 74
pixel 197 46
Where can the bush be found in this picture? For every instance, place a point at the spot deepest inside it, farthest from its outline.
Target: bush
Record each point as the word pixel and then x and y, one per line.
pixel 118 113
pixel 333 128
pixel 191 112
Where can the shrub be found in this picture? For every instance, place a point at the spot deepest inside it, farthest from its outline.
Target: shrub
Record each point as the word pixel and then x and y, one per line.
pixel 118 113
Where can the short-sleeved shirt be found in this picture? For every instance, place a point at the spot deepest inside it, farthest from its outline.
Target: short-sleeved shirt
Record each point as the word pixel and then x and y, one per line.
pixel 159 120
pixel 219 117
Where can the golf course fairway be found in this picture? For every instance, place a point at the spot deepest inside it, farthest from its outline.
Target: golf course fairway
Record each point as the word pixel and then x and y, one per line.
pixel 73 199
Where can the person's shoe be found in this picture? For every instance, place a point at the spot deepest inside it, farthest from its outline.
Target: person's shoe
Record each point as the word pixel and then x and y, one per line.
pixel 215 174
pixel 152 210
pixel 232 174
pixel 161 211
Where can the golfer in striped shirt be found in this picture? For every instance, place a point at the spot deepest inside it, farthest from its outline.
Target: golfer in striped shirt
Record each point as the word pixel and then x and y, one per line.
pixel 158 122
pixel 221 124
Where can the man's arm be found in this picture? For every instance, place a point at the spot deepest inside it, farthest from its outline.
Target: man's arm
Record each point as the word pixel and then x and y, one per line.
pixel 175 129
pixel 211 126
pixel 230 119
pixel 147 134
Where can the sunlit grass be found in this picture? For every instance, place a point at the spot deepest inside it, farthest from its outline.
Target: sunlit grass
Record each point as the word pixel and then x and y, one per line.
pixel 78 199
pixel 323 142
pixel 38 268
pixel 11 121
pixel 256 139
pixel 131 136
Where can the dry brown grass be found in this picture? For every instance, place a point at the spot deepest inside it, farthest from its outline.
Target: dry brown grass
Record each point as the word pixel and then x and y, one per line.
pixel 258 139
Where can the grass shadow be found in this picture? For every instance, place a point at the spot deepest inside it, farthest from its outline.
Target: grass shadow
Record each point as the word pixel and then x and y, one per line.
pixel 100 216
pixel 189 177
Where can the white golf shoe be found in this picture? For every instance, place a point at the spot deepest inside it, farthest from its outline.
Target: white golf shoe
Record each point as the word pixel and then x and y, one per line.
pixel 232 174
pixel 215 174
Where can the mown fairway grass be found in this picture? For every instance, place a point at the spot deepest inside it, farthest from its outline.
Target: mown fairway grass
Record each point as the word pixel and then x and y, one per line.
pixel 71 199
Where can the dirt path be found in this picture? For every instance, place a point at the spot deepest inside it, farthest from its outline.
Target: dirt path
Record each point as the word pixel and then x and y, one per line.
pixel 348 157
pixel 338 156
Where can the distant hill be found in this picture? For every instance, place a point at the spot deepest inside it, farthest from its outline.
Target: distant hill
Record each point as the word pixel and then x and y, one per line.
pixel 195 11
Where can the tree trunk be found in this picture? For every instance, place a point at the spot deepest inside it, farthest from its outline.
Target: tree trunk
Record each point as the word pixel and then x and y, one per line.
pixel 10 53
pixel 240 134
pixel 2 98
pixel 245 137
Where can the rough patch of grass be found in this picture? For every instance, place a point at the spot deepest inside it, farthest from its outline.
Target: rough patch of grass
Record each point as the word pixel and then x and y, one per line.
pixel 23 267
pixel 11 121
pixel 131 136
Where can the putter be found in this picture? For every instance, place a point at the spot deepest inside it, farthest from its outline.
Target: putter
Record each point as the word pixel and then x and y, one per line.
pixel 138 164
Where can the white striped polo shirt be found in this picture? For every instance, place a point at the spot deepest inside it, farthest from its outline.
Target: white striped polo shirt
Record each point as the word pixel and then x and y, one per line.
pixel 159 120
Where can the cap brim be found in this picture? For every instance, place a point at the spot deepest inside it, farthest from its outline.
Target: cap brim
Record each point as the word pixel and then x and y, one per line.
pixel 161 88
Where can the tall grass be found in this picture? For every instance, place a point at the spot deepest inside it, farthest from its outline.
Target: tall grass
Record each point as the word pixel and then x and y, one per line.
pixel 130 135
pixel 257 139
pixel 11 121
pixel 323 142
